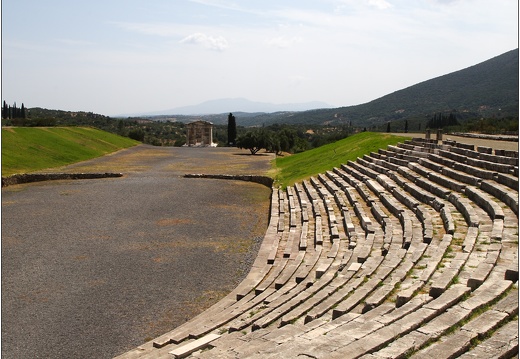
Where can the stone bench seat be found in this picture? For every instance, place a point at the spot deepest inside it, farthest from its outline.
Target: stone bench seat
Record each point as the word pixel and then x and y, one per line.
pixel 184 350
pixel 284 304
pixel 479 326
pixel 462 177
pixel 442 160
pixel 505 160
pixel 278 268
pixel 273 299
pixel 292 247
pixel 503 193
pixel 363 167
pixel 447 182
pixel 462 149
pixel 445 276
pixel 353 171
pixel 400 327
pixel 491 166
pixel 290 269
pixel 464 206
pixel 502 344
pixel 508 180
pixel 400 270
pixel 482 199
pixel 424 268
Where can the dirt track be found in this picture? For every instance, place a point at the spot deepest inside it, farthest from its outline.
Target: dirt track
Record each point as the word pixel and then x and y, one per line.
pixel 93 268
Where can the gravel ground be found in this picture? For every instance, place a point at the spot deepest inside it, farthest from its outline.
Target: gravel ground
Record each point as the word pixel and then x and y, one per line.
pixel 93 268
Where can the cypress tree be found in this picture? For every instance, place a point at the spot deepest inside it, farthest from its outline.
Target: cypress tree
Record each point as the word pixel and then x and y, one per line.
pixel 5 110
pixel 232 130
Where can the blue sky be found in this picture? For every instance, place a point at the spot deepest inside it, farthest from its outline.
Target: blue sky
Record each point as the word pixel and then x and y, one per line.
pixel 126 56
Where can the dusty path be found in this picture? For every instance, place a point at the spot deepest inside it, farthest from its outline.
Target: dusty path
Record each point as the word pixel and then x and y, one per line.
pixel 93 268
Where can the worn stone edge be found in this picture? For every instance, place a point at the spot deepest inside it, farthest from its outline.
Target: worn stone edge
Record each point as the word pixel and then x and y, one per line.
pixel 37 177
pixel 264 180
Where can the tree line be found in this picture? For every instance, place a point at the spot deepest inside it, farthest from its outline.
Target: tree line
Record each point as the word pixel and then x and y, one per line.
pixel 281 138
pixel 11 112
pixel 440 120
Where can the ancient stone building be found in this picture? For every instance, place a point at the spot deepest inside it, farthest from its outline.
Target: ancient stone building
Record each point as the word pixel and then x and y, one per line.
pixel 199 134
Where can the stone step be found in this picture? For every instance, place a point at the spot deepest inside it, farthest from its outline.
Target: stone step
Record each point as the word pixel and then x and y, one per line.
pixel 186 349
pixel 388 333
pixel 503 344
pixel 478 327
pixel 485 201
pixel 503 193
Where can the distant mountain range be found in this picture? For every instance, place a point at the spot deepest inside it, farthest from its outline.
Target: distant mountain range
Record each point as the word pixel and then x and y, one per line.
pixel 488 89
pixel 227 105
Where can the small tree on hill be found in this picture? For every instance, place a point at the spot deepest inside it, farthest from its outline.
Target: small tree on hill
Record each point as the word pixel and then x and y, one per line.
pixel 255 140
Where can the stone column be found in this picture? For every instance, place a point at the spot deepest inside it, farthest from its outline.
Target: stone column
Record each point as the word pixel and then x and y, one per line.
pixel 439 135
pixel 428 134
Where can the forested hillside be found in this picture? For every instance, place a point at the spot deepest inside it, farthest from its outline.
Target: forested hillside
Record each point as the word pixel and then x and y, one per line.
pixel 488 89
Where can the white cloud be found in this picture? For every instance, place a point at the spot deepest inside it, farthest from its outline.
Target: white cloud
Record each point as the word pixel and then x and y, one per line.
pixel 380 4
pixel 284 42
pixel 157 29
pixel 218 43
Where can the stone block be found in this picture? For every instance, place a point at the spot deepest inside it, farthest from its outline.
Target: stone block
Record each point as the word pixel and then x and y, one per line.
pixel 186 349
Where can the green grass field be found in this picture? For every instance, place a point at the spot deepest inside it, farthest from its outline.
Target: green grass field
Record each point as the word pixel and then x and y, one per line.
pixel 303 165
pixel 29 149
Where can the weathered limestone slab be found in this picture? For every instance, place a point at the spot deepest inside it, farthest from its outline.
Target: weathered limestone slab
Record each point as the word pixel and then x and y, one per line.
pixel 464 206
pixel 434 166
pixel 440 324
pixel 481 198
pixel 509 304
pixel 453 156
pixel 303 236
pixel 498 229
pixel 441 283
pixel 447 299
pixel 452 347
pixel 461 176
pixel 502 193
pixel 485 322
pixel 447 220
pixel 470 239
pixel 508 180
pixel 503 344
pixel 479 275
pixel 475 171
pixel 401 347
pixel 490 290
pixel 433 188
pixel 491 166
pixel 186 349
pixel 447 182
pixel 499 159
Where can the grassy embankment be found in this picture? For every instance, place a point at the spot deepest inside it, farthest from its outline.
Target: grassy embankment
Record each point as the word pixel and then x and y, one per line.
pixel 29 149
pixel 303 165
